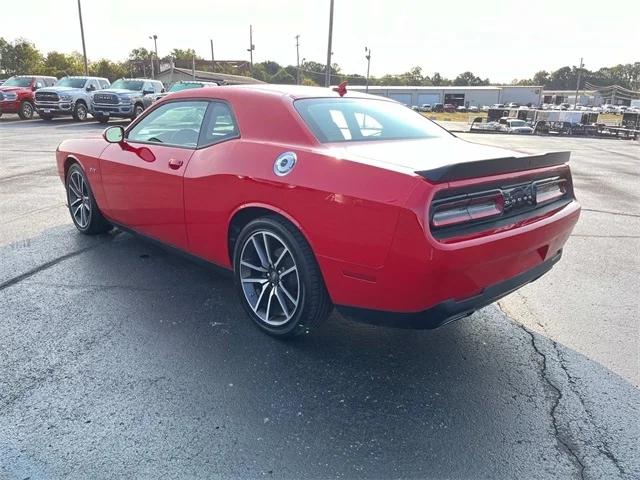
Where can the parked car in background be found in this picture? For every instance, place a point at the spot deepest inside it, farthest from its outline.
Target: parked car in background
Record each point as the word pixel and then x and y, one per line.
pixel 426 107
pixel 461 109
pixel 513 105
pixel 438 107
pixel 515 125
pixel 16 94
pixel 125 98
pixel 184 85
pixel 484 108
pixel 498 105
pixel 69 97
pixel 449 108
pixel 473 108
pixel 413 227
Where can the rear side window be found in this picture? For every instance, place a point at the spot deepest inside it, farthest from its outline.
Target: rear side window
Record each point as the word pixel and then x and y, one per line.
pixel 349 120
pixel 220 125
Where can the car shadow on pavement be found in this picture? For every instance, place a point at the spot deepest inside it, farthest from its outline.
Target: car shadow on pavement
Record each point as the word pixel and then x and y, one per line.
pixel 130 356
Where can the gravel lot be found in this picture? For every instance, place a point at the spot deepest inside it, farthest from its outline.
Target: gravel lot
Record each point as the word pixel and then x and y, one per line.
pixel 119 359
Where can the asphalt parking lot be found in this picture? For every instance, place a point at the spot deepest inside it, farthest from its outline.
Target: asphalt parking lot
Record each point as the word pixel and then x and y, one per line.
pixel 119 359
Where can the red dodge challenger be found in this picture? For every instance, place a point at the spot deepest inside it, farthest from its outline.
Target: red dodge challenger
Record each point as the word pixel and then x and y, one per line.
pixel 315 198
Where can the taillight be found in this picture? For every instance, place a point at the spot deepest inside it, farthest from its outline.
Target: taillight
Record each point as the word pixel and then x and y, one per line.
pixel 550 190
pixel 461 210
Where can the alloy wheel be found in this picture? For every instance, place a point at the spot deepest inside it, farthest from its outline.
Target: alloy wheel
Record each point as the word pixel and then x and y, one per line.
pixel 269 278
pixel 79 200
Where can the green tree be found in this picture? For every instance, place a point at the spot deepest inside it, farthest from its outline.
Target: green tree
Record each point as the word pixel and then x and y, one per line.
pixel 541 78
pixel 108 69
pixel 282 76
pixel 20 57
pixel 61 64
pixel 469 79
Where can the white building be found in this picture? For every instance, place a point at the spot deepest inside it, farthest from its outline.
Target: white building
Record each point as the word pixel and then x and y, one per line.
pixel 467 96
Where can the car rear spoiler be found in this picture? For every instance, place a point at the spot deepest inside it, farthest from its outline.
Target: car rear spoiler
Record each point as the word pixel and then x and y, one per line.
pixel 493 166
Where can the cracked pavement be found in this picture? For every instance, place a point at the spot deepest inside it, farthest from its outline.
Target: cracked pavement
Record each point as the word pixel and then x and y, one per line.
pixel 121 359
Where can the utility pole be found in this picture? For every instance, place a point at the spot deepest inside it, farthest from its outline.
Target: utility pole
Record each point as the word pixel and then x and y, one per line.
pixel 193 67
pixel 155 45
pixel 578 84
pixel 298 59
pixel 327 73
pixel 213 60
pixel 252 47
pixel 367 52
pixel 84 48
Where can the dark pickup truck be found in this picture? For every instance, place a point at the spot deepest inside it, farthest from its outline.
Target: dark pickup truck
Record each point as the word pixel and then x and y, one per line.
pixel 126 98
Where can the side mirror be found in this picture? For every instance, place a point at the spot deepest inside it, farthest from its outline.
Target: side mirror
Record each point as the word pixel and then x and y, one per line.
pixel 114 134
pixel 91 88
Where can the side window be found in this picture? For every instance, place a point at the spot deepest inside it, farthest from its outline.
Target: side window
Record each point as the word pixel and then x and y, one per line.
pixel 174 123
pixel 104 84
pixel 219 126
pixel 39 84
pixel 158 87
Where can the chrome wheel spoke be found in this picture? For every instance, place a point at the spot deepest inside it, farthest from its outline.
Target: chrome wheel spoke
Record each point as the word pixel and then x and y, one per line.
pixel 284 252
pixel 282 302
pixel 254 280
pixel 266 317
pixel 252 266
pixel 266 248
pixel 263 258
pixel 260 297
pixel 288 271
pixel 289 296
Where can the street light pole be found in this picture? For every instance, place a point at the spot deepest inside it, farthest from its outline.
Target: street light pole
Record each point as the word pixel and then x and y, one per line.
pixel 298 59
pixel 213 60
pixel 367 52
pixel 155 45
pixel 252 47
pixel 84 48
pixel 327 73
pixel 578 83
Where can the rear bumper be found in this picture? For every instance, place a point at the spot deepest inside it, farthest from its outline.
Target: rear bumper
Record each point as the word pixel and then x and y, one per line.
pixel 449 310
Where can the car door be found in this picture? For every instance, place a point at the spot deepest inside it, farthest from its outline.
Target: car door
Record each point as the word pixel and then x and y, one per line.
pixel 142 176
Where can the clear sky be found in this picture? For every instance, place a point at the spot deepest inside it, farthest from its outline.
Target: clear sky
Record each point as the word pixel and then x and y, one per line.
pixel 499 39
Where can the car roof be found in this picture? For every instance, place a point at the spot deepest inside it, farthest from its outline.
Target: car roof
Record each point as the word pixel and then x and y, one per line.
pixel 299 91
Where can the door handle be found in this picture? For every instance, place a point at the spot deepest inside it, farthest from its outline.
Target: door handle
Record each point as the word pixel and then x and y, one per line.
pixel 175 164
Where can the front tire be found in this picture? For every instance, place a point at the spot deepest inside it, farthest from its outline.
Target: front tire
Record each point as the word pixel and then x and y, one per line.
pixel 26 110
pixel 137 111
pixel 82 205
pixel 80 112
pixel 278 279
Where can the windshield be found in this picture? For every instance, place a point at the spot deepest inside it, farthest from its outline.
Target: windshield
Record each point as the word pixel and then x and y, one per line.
pixel 349 120
pixel 127 84
pixel 72 82
pixel 176 87
pixel 18 82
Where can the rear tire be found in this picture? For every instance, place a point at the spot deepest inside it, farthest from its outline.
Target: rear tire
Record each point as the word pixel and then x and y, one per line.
pixel 85 214
pixel 278 279
pixel 26 110
pixel 80 112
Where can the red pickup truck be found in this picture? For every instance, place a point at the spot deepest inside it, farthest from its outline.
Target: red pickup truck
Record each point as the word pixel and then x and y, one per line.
pixel 16 94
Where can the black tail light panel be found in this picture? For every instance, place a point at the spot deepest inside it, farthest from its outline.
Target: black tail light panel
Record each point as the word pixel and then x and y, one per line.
pixel 457 213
